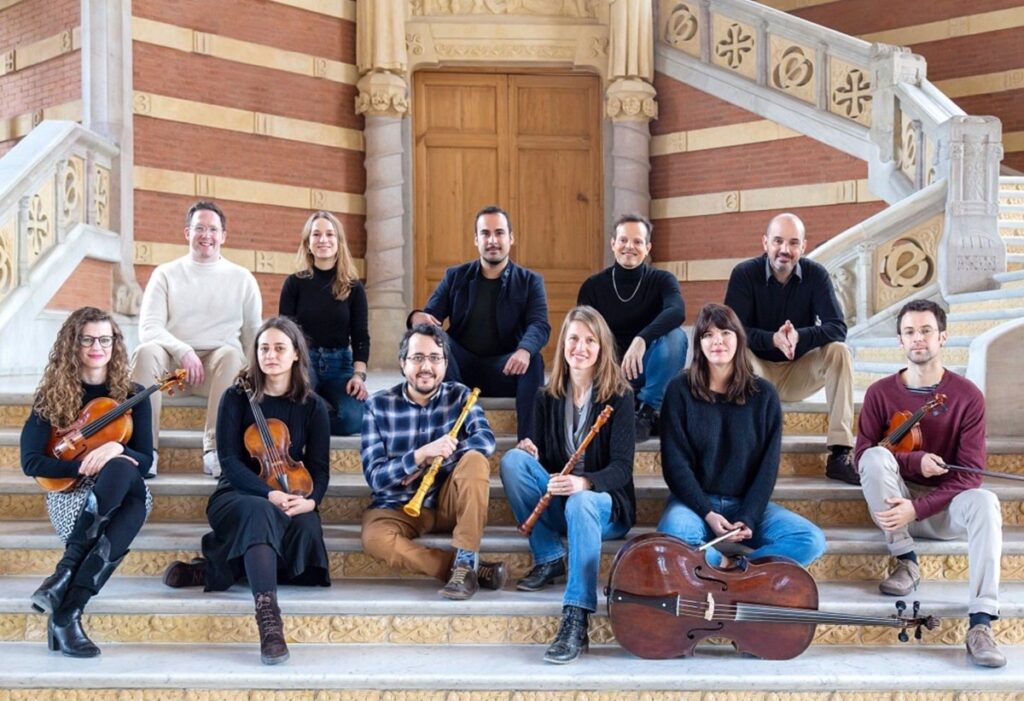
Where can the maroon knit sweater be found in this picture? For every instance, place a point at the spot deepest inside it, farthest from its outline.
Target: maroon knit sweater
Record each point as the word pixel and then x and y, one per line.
pixel 955 432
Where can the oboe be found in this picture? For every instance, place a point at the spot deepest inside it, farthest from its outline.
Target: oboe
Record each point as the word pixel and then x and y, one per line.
pixel 526 526
pixel 416 503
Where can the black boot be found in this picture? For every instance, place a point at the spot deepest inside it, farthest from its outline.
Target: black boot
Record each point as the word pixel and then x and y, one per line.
pixel 68 636
pixel 51 592
pixel 572 639
pixel 90 523
pixel 273 648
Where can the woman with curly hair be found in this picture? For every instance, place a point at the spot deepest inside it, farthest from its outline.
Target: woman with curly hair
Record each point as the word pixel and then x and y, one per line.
pixel 99 518
pixel 327 300
pixel 263 534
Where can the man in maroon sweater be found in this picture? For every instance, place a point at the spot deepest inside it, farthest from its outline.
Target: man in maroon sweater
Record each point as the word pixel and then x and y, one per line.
pixel 912 494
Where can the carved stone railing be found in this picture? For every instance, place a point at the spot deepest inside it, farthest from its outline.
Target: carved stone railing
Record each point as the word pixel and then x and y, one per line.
pixel 55 209
pixel 872 101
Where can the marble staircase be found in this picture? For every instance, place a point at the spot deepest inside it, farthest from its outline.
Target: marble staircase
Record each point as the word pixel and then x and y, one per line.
pixel 381 634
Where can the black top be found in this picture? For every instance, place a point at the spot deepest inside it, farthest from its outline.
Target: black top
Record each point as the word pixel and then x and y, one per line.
pixel 656 308
pixel 481 335
pixel 310 433
pixel 326 321
pixel 807 299
pixel 608 461
pixel 720 448
pixel 36 461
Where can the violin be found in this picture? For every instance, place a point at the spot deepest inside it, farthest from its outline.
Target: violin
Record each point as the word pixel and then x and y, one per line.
pixel 903 435
pixel 268 441
pixel 664 598
pixel 100 421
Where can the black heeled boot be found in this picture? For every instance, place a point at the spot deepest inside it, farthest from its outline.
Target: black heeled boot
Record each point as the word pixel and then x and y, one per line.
pixel 53 590
pixel 273 648
pixel 64 629
pixel 90 523
pixel 572 639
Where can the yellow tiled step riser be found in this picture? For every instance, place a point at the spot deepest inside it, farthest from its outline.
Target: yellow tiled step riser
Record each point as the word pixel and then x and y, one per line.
pixel 417 630
pixel 149 694
pixel 986 305
pixel 192 509
pixel 950 355
pixel 344 565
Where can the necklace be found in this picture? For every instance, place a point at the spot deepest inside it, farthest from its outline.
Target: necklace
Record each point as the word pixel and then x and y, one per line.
pixel 615 287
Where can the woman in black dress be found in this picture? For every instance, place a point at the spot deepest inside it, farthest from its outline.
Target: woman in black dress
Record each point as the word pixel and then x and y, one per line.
pixel 327 300
pixel 100 517
pixel 266 535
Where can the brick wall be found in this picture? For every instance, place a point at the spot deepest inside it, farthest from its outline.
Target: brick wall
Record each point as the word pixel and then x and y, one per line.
pixel 89 286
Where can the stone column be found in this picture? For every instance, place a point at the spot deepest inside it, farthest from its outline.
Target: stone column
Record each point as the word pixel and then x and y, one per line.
pixel 971 250
pixel 630 103
pixel 107 110
pixel 382 99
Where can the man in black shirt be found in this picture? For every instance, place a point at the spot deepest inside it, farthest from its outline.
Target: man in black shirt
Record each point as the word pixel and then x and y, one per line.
pixel 644 309
pixel 497 316
pixel 797 332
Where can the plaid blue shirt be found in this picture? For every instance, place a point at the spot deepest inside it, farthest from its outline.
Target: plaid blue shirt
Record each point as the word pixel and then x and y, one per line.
pixel 394 426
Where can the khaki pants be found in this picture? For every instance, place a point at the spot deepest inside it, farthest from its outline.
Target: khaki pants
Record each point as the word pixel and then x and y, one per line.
pixel 974 512
pixel 831 367
pixel 388 534
pixel 221 366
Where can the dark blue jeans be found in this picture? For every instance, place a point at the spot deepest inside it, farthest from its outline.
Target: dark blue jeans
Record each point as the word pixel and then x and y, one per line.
pixel 486 374
pixel 330 370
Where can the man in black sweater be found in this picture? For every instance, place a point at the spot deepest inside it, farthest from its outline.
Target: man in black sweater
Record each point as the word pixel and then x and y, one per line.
pixel 796 332
pixel 497 315
pixel 644 309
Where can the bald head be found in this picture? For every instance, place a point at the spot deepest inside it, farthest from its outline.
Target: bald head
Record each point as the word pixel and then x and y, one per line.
pixel 784 242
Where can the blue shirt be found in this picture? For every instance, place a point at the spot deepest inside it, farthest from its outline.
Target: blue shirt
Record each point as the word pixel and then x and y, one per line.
pixel 394 426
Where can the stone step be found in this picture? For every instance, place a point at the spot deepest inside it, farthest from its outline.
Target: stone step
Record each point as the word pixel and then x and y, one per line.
pixel 1010 280
pixel 1014 262
pixel 409 612
pixel 977 323
pixel 866 372
pixel 887 350
pixel 168 672
pixel 988 300
pixel 1014 244
pixel 854 553
pixel 183 498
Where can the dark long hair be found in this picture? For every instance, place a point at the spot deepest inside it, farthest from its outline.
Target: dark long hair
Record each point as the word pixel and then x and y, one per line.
pixel 743 381
pixel 300 387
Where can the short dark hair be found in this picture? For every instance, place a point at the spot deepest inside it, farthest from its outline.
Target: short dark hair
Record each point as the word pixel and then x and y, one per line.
pixel 434 332
pixel 922 305
pixel 634 217
pixel 210 207
pixel 492 209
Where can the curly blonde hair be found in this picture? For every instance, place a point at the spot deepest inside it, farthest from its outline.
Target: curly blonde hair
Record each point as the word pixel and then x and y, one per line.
pixel 59 396
pixel 345 273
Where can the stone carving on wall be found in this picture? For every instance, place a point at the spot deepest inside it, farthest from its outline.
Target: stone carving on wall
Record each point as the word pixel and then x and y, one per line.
pixel 734 46
pixel 681 27
pixel 844 280
pixel 792 69
pixel 488 50
pixel 850 94
pixel 907 152
pixel 39 222
pixel 101 197
pixel 907 263
pixel 8 257
pixel 72 199
pixel 631 34
pixel 550 8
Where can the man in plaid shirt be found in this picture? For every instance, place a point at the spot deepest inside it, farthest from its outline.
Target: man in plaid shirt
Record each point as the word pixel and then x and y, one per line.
pixel 404 429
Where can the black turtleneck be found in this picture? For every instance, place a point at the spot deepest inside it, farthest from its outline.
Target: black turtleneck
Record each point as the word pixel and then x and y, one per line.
pixel 326 321
pixel 650 312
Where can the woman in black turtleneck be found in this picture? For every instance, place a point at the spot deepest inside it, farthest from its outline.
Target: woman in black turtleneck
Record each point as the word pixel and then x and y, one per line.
pixel 328 301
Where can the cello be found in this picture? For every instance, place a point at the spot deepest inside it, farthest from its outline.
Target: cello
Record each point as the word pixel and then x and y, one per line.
pixel 664 598
pixel 267 441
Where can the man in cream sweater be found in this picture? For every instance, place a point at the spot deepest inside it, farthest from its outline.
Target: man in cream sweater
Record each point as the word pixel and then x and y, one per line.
pixel 199 312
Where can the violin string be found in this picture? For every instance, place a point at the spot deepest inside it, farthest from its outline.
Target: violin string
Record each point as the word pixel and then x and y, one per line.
pixel 757 613
pixel 264 429
pixel 101 422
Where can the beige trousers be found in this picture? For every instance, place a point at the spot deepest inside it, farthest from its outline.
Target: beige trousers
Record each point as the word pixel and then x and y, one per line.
pixel 831 367
pixel 221 366
pixel 974 512
pixel 388 534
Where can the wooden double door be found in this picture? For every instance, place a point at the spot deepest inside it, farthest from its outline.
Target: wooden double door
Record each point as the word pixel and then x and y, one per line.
pixel 530 143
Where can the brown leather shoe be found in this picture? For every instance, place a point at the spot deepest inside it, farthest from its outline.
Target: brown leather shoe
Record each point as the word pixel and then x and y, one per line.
pixel 902 580
pixel 982 648
pixel 461 585
pixel 186 574
pixel 491 575
pixel 839 466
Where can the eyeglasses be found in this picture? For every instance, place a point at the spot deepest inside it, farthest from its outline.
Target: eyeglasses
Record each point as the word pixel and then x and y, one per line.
pixel 87 341
pixel 203 229
pixel 418 358
pixel 924 332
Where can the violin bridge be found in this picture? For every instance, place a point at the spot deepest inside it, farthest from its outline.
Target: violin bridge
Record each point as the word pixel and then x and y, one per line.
pixel 709 615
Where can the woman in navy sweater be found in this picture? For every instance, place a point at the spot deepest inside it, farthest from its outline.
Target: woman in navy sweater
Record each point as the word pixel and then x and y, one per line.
pixel 594 503
pixel 721 439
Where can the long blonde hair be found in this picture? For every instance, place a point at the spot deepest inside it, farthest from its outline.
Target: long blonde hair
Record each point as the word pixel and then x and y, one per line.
pixel 59 396
pixel 608 378
pixel 345 273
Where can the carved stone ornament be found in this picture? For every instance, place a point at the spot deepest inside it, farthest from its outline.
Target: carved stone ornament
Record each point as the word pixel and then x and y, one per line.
pixel 550 8
pixel 844 280
pixel 907 263
pixel 8 258
pixel 681 27
pixel 631 100
pixel 101 197
pixel 734 46
pixel 792 69
pixel 907 153
pixel 850 92
pixel 142 103
pixel 70 193
pixel 39 223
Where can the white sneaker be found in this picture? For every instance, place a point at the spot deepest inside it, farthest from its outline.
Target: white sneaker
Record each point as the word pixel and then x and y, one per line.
pixel 211 465
pixel 152 468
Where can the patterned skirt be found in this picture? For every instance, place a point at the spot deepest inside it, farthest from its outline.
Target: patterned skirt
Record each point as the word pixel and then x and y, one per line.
pixel 64 507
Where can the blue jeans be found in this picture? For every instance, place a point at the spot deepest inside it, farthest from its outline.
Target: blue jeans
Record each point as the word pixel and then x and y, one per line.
pixel 663 360
pixel 330 369
pixel 486 373
pixel 585 517
pixel 780 532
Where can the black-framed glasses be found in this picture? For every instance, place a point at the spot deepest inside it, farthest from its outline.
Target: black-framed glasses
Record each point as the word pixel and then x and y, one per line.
pixel 87 341
pixel 419 358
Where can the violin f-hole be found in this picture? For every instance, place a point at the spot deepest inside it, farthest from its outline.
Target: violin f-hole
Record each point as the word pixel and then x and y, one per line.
pixel 698 633
pixel 698 572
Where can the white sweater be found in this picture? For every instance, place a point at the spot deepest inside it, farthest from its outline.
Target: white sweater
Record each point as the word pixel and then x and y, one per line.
pixel 200 306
